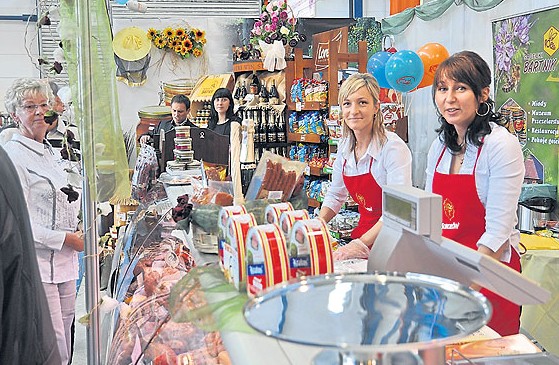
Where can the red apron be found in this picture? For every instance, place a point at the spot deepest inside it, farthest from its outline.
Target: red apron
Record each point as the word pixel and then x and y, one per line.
pixel 461 206
pixel 368 195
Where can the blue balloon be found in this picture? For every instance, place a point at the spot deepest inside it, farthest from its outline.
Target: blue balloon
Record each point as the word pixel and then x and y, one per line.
pixel 121 2
pixel 376 67
pixel 404 71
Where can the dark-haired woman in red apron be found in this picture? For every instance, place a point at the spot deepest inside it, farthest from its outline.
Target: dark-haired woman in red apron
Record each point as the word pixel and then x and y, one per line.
pixel 461 205
pixel 477 167
pixel 368 158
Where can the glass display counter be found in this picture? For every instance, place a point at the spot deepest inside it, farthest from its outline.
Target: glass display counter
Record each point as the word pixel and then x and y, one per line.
pixel 150 258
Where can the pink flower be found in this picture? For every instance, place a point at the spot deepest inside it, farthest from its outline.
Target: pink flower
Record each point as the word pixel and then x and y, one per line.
pixel 282 4
pixel 270 7
pixel 268 27
pixel 275 20
pixel 258 24
pixel 257 30
pixel 274 27
pixel 283 15
pixel 292 21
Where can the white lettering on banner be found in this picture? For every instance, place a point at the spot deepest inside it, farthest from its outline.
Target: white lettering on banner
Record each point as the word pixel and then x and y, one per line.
pixel 452 225
pixel 320 62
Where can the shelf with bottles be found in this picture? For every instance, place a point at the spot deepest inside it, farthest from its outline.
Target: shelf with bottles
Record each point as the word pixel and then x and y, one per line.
pixel 269 127
pixel 259 88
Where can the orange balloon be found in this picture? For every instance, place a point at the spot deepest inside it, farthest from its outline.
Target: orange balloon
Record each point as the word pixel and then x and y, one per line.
pixel 431 54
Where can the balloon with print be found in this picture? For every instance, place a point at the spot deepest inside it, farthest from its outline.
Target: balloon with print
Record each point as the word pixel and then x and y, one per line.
pixel 404 70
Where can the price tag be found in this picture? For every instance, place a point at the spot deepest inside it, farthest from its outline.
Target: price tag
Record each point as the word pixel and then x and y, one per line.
pixel 303 137
pixel 275 194
pixel 307 170
pixel 298 106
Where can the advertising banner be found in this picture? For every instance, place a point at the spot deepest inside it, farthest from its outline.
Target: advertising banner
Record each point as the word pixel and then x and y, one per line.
pixel 526 74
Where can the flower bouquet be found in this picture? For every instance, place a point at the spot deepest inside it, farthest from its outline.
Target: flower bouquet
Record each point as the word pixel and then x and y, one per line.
pixel 184 42
pixel 276 23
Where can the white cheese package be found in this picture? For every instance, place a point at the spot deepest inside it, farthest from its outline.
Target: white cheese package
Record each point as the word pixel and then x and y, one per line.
pixel 273 211
pixel 234 247
pixel 266 258
pixel 310 248
pixel 288 219
pixel 224 214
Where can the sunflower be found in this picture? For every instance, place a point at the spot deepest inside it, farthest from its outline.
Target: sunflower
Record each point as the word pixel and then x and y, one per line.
pixel 160 42
pixel 179 32
pixel 174 43
pixel 187 43
pixel 199 34
pixel 169 32
pixel 178 48
pixel 197 52
pixel 203 40
pixel 152 33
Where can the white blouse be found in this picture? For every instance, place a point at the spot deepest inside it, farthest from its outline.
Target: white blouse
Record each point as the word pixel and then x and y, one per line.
pixel 50 212
pixel 499 176
pixel 391 166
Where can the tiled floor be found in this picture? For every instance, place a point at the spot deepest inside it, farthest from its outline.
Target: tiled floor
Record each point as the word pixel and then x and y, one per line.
pixel 80 344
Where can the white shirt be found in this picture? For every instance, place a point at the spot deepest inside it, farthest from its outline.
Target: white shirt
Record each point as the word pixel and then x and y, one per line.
pixel 499 176
pixel 391 166
pixel 50 212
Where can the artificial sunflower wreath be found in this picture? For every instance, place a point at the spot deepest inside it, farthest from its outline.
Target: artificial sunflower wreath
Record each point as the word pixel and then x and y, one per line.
pixel 182 41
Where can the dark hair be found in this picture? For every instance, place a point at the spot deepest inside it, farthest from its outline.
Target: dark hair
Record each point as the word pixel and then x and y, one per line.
pixel 181 99
pixel 469 68
pixel 221 93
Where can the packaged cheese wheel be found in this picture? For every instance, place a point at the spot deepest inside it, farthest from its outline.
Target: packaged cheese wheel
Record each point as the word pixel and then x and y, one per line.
pixel 224 214
pixel 182 131
pixel 234 267
pixel 309 248
pixel 266 258
pixel 288 218
pixel 273 211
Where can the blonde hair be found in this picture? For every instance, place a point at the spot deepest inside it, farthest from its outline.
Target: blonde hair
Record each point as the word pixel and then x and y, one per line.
pixel 351 85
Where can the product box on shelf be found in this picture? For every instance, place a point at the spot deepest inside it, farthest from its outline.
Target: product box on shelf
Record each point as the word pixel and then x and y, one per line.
pixel 224 214
pixel 273 211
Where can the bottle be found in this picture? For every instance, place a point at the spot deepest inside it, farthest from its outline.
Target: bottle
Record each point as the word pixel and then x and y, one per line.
pixel 263 94
pixel 280 130
pixel 271 135
pixel 243 93
pixel 273 95
pixel 254 85
pixel 237 95
pixel 262 128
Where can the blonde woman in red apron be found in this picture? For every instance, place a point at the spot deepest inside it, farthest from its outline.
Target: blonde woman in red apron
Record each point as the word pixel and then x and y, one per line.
pixel 477 166
pixel 368 158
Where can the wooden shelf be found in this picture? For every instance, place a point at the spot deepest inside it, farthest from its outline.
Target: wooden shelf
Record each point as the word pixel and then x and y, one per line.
pixel 304 137
pixel 314 171
pixel 313 203
pixel 247 66
pixel 306 106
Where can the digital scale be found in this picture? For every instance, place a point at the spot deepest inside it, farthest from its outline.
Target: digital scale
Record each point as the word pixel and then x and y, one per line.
pixel 410 241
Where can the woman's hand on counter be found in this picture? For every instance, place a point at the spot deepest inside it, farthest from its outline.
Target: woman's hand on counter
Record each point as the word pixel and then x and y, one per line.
pixel 356 249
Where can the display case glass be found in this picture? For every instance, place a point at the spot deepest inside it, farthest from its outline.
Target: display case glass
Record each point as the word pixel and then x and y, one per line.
pixel 150 258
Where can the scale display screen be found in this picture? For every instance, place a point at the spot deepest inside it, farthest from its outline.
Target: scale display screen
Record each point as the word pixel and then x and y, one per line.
pixel 402 211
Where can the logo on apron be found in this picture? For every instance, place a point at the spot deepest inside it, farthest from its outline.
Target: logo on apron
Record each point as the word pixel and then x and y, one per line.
pixel 448 209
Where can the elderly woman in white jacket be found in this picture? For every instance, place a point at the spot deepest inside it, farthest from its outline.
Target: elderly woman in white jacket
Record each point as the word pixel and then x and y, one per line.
pixel 53 205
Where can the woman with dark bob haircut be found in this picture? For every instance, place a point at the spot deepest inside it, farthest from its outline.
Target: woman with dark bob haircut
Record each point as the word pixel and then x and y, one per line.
pixel 221 112
pixel 477 166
